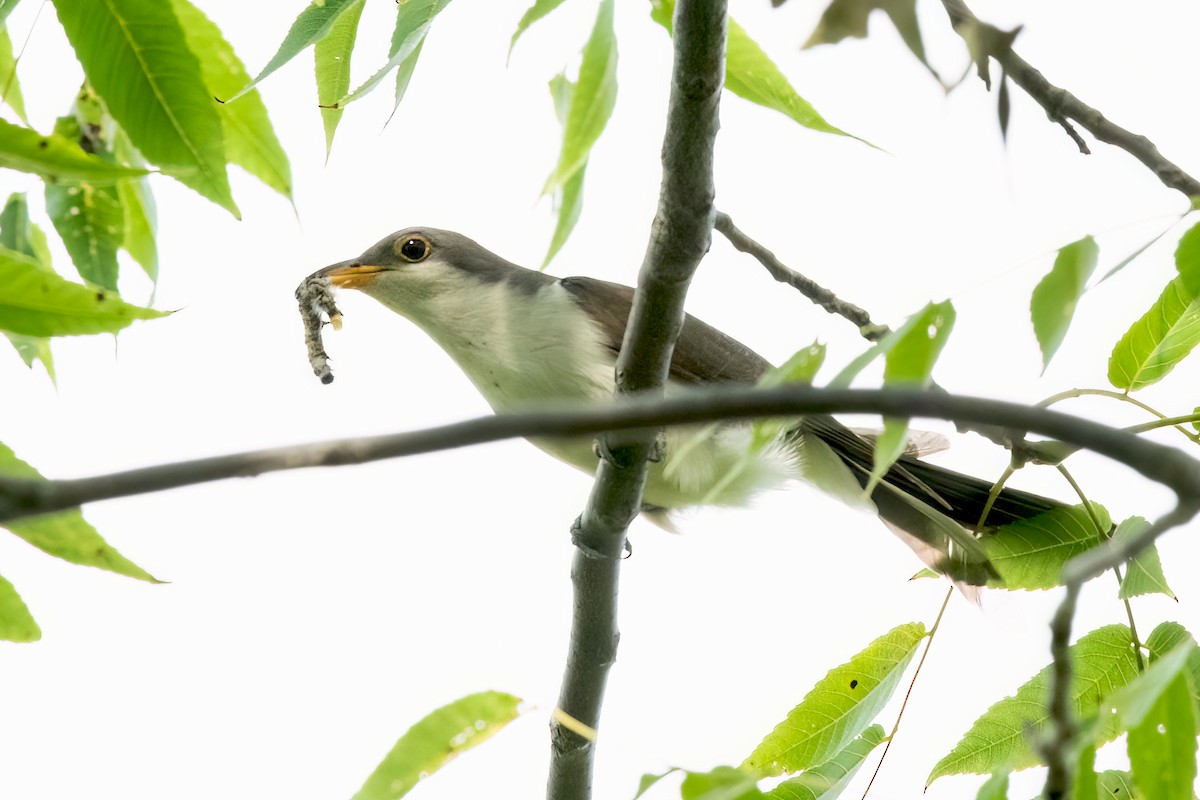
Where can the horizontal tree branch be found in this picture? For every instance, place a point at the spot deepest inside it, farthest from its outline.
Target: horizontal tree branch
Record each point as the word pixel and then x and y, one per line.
pixel 1062 106
pixel 1157 462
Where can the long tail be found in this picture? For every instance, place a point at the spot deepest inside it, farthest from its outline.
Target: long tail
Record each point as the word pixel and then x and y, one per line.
pixel 933 509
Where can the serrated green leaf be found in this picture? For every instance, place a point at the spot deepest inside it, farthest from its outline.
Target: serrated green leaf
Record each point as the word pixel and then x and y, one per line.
pixel 592 99
pixel 1052 305
pixel 10 88
pixel 1163 337
pixel 6 7
pixel 250 141
pixel 1187 259
pixel 16 622
pixel 436 739
pixel 331 57
pixel 827 781
pixel 55 158
pixel 413 20
pixel 1030 553
pixel 135 56
pixel 752 75
pixel 66 534
pixel 1104 661
pixel 909 364
pixel 20 235
pixel 1166 637
pixel 1162 749
pixel 1134 703
pixel 89 220
pixel 313 24
pixel 539 9
pixel 649 779
pixel 848 18
pixel 35 302
pixel 840 707
pixel 719 783
pixel 1143 573
pixel 995 787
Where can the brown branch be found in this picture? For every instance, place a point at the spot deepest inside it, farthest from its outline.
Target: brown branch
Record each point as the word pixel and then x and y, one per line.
pixel 679 237
pixel 1062 106
pixel 807 287
pixel 1157 462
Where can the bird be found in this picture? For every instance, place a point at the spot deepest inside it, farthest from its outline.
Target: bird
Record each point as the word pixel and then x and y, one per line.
pixel 525 338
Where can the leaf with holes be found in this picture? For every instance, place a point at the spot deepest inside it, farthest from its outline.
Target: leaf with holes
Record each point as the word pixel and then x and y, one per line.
pixel 1052 305
pixel 436 739
pixel 1104 661
pixel 840 707
pixel 1031 553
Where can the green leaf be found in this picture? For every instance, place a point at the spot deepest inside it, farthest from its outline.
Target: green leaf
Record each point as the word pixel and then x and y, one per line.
pixel 89 219
pixel 1165 638
pixel 995 787
pixel 568 198
pixel 1144 572
pixel 66 534
pixel 753 76
pixel 6 6
pixel 332 59
pixel 539 9
pixel 250 141
pixel 1187 259
pixel 649 779
pixel 140 224
pixel 840 707
pixel 592 100
pixel 16 623
pixel 848 18
pixel 1030 553
pixel 1104 661
pixel 20 235
pixel 827 781
pixel 720 783
pixel 1117 784
pixel 135 56
pixel 313 24
pixel 55 158
pixel 1157 710
pixel 1085 783
pixel 1163 337
pixel 909 364
pixel 436 739
pixel 40 303
pixel 1053 302
pixel 404 73
pixel 9 86
pixel 413 20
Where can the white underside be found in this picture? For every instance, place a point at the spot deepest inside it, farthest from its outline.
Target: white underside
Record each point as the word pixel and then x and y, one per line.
pixel 549 351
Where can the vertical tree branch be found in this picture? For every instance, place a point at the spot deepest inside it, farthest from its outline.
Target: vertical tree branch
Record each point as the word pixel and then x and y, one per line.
pixel 679 238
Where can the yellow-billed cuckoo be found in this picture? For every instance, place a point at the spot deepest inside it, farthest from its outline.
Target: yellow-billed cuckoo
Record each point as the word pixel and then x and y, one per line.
pixel 525 338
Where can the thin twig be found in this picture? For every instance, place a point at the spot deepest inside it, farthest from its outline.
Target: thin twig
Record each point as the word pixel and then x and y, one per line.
pixel 1157 462
pixel 899 716
pixel 679 238
pixel 807 287
pixel 1062 106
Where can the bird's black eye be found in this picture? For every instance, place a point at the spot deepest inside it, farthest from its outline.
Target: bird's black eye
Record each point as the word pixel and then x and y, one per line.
pixel 413 248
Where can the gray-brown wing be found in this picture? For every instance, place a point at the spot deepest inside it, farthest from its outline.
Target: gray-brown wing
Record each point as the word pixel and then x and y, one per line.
pixel 702 353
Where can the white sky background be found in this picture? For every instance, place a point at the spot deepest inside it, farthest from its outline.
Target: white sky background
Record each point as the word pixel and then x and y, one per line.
pixel 312 617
